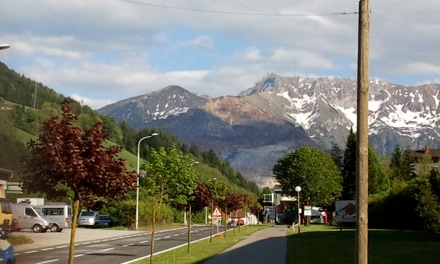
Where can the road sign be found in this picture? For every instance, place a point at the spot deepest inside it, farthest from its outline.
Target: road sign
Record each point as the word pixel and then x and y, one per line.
pixel 13 187
pixel 307 210
pixel 216 213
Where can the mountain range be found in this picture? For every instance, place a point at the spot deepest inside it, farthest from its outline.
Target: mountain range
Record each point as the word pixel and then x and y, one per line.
pixel 278 114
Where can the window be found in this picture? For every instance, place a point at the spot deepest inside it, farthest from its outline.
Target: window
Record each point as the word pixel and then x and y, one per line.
pixel 30 212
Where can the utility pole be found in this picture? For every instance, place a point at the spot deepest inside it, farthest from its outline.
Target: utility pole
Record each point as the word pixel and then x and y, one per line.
pixel 362 134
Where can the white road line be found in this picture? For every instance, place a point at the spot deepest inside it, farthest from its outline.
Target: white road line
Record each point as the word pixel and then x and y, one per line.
pixel 45 249
pixel 48 261
pixel 105 249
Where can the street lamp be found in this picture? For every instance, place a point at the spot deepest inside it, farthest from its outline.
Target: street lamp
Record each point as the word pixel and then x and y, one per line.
pixel 4 46
pixel 298 189
pixel 189 218
pixel 137 185
pixel 212 212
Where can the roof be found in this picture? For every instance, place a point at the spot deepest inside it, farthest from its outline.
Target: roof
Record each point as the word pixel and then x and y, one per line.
pixel 5 174
pixel 419 153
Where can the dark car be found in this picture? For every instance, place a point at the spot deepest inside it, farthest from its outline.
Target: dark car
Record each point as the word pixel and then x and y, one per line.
pixel 103 221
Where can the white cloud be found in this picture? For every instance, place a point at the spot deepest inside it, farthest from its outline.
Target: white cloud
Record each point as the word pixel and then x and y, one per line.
pixel 204 42
pixel 93 103
pixel 103 50
pixel 422 68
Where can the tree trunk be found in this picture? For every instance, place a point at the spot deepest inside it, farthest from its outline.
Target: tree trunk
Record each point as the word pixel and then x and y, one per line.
pixel 189 228
pixel 73 229
pixel 212 220
pixel 153 229
pixel 226 220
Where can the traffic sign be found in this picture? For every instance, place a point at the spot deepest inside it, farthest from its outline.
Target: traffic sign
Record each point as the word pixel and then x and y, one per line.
pixel 13 187
pixel 216 213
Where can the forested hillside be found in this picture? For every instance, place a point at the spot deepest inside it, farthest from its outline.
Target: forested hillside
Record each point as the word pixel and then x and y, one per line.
pixel 26 104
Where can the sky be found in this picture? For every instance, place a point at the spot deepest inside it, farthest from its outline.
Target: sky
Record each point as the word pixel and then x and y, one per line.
pixel 103 51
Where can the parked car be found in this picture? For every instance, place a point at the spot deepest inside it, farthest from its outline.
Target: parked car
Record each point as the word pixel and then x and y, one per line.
pixel 6 252
pixel 60 215
pixel 87 218
pixel 103 221
pixel 27 217
pixel 240 222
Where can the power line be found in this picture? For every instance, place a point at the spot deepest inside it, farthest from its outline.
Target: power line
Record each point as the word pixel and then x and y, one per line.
pixel 235 12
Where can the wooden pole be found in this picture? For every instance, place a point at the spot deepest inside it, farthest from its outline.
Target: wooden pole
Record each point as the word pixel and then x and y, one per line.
pixel 189 229
pixel 362 134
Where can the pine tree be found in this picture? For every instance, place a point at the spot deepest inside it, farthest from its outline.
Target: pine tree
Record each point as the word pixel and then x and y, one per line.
pixel 349 169
pixel 396 163
pixel 336 155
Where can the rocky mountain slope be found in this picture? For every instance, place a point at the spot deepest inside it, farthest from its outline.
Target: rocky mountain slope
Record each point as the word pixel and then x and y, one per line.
pixel 279 114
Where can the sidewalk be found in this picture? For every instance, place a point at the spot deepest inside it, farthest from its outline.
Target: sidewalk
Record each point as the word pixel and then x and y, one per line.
pixel 264 246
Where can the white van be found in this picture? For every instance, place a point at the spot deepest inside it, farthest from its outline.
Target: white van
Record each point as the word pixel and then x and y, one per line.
pixel 59 215
pixel 28 218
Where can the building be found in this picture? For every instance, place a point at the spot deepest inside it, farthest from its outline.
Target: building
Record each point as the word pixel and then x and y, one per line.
pixel 419 157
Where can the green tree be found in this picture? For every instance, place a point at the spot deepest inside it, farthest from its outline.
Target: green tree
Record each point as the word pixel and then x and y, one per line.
pixel 336 155
pixel 429 201
pixel 219 190
pixel 349 170
pixel 425 164
pixel 396 163
pixel 171 179
pixel 377 179
pixel 311 169
pixel 407 164
pixel 402 164
pixel 68 156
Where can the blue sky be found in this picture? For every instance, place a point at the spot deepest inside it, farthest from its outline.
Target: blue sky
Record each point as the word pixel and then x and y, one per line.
pixel 103 51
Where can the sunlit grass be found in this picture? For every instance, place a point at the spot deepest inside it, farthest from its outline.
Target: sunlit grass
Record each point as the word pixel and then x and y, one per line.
pixel 327 244
pixel 19 240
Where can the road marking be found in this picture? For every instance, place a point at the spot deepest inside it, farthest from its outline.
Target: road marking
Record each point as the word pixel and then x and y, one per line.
pixel 45 249
pixel 105 249
pixel 48 261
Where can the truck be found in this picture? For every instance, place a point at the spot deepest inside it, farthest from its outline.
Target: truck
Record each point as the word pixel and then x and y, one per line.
pixel 28 217
pixel 5 212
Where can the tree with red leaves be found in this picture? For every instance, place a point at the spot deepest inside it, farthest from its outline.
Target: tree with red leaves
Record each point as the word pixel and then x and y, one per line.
pixel 65 155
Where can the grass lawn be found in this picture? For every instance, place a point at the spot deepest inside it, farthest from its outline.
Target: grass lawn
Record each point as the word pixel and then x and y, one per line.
pixel 203 250
pixel 327 244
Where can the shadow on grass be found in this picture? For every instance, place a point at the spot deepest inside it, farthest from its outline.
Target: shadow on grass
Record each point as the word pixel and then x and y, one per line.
pixel 269 250
pixel 385 246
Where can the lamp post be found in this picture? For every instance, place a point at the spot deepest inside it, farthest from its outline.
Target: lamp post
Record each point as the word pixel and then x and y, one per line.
pixel 212 212
pixel 298 189
pixel 4 46
pixel 189 218
pixel 137 185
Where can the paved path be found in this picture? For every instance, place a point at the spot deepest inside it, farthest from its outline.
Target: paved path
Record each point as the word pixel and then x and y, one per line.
pixel 265 246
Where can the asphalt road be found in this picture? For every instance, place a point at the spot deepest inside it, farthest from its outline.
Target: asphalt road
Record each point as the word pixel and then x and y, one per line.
pixel 102 245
